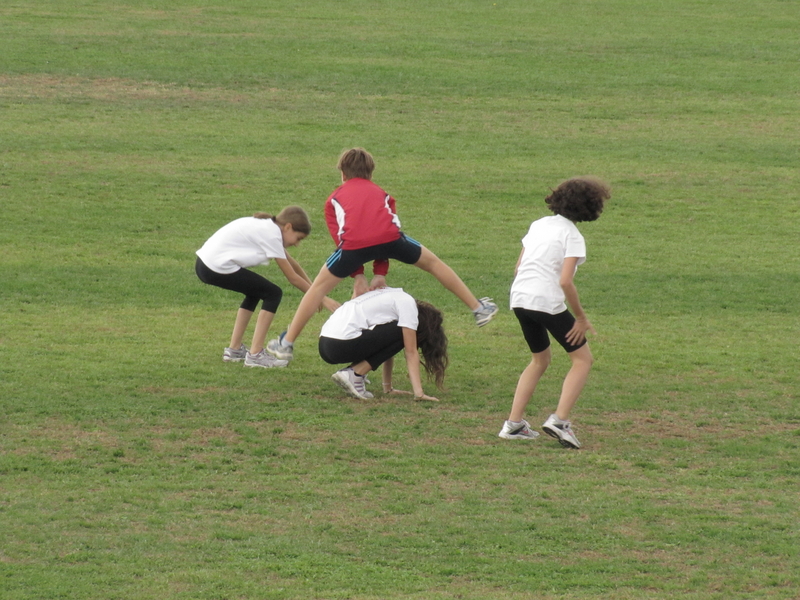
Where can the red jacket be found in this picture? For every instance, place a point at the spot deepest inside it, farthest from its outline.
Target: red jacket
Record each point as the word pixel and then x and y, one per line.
pixel 359 214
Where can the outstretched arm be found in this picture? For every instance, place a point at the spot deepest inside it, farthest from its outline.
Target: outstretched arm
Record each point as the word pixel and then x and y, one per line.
pixel 298 269
pixel 386 377
pixel 380 268
pixel 360 285
pixel 413 364
pixel 297 277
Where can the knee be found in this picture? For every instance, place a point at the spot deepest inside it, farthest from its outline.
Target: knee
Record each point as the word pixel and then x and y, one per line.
pixel 541 360
pixel 271 299
pixel 250 303
pixel 273 295
pixel 583 357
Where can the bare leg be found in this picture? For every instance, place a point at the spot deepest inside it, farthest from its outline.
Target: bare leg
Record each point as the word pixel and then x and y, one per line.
pixel 323 284
pixel 361 368
pixel 447 277
pixel 239 327
pixel 262 328
pixel 527 383
pixel 574 381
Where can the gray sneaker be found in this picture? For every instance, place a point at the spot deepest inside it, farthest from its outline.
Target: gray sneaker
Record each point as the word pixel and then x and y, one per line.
pixel 517 431
pixel 263 359
pixel 562 431
pixel 280 349
pixel 234 355
pixel 486 312
pixel 351 383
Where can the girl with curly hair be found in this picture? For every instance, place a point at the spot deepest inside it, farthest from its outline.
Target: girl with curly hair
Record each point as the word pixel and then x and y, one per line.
pixel 544 299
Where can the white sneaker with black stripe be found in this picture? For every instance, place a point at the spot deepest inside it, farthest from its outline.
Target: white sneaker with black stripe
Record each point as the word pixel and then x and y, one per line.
pixel 517 431
pixel 562 431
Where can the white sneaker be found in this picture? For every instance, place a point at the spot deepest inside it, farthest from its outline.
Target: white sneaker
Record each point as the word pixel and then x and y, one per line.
pixel 485 312
pixel 263 359
pixel 351 383
pixel 280 348
pixel 234 354
pixel 517 431
pixel 562 431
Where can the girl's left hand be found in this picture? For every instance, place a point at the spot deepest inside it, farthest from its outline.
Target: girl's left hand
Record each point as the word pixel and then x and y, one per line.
pixel 580 328
pixel 425 397
pixel 398 392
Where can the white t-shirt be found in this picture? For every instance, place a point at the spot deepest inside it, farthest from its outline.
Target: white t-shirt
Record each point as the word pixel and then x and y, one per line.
pixel 368 310
pixel 242 243
pixel 548 242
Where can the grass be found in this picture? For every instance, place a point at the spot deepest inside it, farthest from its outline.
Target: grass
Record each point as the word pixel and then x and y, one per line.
pixel 135 464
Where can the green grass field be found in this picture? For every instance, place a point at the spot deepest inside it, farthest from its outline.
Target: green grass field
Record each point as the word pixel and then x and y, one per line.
pixel 135 464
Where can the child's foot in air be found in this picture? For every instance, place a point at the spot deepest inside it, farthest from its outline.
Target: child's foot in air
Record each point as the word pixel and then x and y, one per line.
pixel 280 348
pixel 485 312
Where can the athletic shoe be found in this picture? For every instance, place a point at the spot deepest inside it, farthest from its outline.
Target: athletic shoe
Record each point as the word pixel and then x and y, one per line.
pixel 562 431
pixel 234 355
pixel 486 312
pixel 352 383
pixel 263 359
pixel 518 431
pixel 281 348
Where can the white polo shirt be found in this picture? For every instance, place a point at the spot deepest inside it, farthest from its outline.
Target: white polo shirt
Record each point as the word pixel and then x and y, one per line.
pixel 548 242
pixel 242 243
pixel 369 310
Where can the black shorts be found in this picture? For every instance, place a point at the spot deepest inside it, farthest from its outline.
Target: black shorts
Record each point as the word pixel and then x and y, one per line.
pixel 376 346
pixel 254 287
pixel 343 262
pixel 536 324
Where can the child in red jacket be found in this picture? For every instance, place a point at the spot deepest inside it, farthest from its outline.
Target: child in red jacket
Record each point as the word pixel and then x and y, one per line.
pixel 363 218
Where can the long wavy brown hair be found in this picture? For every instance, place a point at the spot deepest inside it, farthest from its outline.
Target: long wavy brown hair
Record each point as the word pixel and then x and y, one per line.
pixel 432 342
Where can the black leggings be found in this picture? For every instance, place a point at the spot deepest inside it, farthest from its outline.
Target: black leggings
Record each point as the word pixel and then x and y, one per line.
pixel 536 324
pixel 375 346
pixel 252 285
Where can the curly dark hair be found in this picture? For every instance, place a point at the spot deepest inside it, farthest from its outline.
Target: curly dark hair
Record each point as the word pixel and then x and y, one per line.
pixel 579 199
pixel 432 341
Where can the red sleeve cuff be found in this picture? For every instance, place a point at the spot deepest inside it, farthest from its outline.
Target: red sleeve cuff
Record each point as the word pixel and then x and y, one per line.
pixel 380 267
